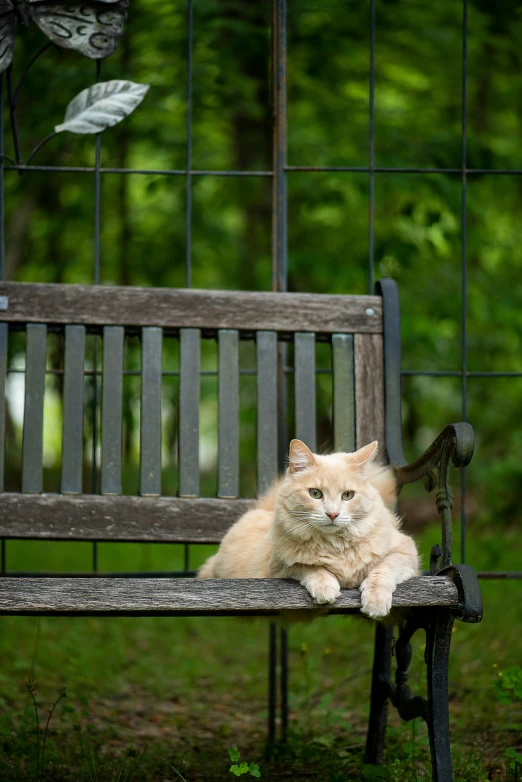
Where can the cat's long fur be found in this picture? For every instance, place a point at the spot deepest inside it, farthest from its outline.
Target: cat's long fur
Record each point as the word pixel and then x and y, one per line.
pixel 290 534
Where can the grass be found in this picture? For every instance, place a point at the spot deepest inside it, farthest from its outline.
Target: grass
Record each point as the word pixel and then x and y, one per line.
pixel 165 699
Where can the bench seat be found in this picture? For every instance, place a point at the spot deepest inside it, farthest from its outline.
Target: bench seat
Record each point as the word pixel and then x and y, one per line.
pixel 182 596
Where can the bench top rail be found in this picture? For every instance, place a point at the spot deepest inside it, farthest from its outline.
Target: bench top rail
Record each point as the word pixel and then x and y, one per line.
pixel 172 309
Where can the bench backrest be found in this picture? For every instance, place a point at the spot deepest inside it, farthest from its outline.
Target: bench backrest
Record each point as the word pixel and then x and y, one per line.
pixel 351 325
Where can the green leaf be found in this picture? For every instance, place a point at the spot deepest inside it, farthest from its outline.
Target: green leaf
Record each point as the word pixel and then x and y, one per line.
pixel 239 770
pixel 512 754
pixel 509 685
pixel 234 754
pixel 254 770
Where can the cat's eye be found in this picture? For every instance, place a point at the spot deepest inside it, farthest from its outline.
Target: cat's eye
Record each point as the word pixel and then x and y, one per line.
pixel 347 495
pixel 315 493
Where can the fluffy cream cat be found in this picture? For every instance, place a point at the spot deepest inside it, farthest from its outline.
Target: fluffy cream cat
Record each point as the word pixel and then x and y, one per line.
pixel 328 524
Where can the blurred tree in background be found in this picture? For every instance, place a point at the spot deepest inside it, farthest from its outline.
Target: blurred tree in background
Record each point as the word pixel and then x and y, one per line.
pixel 418 230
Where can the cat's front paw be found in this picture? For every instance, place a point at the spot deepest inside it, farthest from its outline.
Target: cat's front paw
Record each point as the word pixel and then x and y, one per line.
pixel 323 589
pixel 376 600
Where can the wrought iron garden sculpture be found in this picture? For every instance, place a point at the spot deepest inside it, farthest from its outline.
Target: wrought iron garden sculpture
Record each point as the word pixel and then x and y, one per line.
pixel 91 28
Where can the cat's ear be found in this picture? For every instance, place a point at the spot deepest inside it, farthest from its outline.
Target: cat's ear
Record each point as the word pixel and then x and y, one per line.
pixel 366 454
pixel 301 458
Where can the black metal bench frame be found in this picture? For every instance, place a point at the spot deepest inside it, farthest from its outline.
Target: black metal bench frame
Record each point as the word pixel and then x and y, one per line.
pixel 365 336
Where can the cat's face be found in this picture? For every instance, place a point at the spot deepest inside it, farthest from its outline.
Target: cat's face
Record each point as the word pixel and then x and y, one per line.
pixel 329 494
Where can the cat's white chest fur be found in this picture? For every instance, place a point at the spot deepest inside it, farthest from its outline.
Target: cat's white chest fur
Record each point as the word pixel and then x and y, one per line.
pixel 348 560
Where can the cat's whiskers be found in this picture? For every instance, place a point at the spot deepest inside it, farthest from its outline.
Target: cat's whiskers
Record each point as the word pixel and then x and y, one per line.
pixel 297 511
pixel 318 520
pixel 302 523
pixel 305 516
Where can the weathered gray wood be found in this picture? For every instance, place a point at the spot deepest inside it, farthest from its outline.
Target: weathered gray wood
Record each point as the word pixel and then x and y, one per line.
pixel 304 372
pixel 32 473
pixel 189 391
pixel 266 347
pixel 183 596
pixel 3 375
pixel 105 305
pixel 72 433
pixel 343 392
pixel 369 391
pixel 112 409
pixel 95 517
pixel 228 424
pixel 150 423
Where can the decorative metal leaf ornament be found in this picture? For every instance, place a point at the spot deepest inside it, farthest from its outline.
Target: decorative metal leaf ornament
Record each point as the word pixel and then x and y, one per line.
pixel 92 28
pixel 102 106
pixel 22 11
pixel 7 33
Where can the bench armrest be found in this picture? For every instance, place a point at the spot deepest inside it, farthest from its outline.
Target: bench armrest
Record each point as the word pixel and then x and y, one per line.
pixel 454 445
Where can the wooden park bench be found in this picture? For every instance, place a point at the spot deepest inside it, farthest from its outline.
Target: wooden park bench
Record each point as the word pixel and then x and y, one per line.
pixel 363 332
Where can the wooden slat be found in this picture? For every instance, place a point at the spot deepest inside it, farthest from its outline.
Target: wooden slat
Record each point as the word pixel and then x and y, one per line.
pixel 304 371
pixel 228 425
pixel 369 391
pixel 172 596
pixel 32 473
pixel 105 305
pixel 112 409
pixel 343 392
pixel 189 391
pixel 266 347
pixel 150 425
pixel 3 375
pixel 72 439
pixel 95 517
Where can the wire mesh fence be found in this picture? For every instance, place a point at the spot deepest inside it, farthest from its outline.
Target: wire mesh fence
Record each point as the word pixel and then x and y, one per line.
pixel 276 218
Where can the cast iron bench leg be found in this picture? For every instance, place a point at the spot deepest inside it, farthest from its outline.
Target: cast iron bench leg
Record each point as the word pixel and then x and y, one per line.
pixel 284 683
pixel 276 633
pixel 272 684
pixel 438 641
pixel 379 695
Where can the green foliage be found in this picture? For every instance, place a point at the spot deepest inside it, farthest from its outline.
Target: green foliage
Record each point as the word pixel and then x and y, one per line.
pixel 509 685
pixel 93 768
pixel 49 237
pixel 41 737
pixel 239 769
pixel 513 762
pixel 50 219
pixel 25 743
pixel 376 773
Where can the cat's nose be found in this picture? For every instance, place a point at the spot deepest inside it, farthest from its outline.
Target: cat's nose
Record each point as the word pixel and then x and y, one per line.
pixel 332 515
